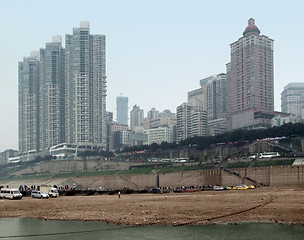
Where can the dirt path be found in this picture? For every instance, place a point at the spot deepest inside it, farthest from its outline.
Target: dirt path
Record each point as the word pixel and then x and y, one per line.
pixel 281 205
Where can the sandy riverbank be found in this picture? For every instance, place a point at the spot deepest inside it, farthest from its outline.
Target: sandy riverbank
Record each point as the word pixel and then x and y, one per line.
pixel 280 205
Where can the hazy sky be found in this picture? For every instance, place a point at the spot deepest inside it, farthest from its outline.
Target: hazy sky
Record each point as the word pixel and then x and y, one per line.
pixel 156 50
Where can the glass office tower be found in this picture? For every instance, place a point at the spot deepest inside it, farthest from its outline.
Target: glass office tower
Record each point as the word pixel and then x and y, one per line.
pixel 122 110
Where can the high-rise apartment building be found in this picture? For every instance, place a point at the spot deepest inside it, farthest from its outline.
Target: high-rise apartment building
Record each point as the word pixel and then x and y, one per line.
pixel 213 97
pixel 167 113
pixel 198 94
pixel 160 127
pixel 51 94
pixel 6 155
pixel 191 121
pixel 159 135
pixel 136 117
pixel 156 119
pixel 122 110
pixel 62 93
pixel 128 138
pixel 162 121
pixel 85 87
pixel 215 88
pixel 292 99
pixel 112 128
pixel 109 117
pixel 153 113
pixel 250 80
pixel 28 102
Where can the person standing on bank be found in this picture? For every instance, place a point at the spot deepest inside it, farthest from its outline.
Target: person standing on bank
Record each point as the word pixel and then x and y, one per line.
pixel 118 194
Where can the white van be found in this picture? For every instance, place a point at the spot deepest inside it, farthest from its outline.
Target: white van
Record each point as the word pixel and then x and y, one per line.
pixel 10 193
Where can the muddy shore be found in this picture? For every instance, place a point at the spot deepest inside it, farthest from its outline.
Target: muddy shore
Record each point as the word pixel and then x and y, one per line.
pixel 269 204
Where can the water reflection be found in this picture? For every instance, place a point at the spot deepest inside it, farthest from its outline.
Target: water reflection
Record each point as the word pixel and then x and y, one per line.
pixel 20 228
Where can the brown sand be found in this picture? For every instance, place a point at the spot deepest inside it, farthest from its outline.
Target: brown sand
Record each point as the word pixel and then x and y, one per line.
pixel 280 205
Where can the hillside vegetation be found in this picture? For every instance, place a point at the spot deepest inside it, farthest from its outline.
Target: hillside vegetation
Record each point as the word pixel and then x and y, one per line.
pixel 286 133
pixel 241 135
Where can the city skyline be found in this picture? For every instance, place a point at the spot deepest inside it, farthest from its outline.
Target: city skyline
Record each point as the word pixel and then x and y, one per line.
pixel 156 52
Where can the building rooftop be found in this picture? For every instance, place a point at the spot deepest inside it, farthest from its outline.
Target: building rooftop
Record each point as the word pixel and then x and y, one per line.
pixel 294 85
pixel 251 28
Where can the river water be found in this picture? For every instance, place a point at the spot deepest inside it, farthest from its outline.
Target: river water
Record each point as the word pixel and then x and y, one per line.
pixel 20 228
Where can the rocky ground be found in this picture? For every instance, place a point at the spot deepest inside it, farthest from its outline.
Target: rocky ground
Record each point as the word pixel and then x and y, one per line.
pixel 269 204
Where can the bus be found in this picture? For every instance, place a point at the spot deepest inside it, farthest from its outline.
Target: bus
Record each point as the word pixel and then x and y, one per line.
pixel 269 155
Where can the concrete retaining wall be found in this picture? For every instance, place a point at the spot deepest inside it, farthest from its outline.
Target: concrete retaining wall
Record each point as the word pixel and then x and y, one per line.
pixel 275 176
pixel 190 178
pixel 270 176
pixel 64 166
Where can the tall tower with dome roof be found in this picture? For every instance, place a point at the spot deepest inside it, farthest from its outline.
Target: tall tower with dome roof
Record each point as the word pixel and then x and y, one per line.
pixel 251 28
pixel 250 80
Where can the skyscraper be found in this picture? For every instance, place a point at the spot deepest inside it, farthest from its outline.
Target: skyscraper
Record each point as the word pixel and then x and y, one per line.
pixel 215 96
pixel 191 120
pixel 136 117
pixel 51 94
pixel 28 102
pixel 122 110
pixel 250 80
pixel 153 113
pixel 292 99
pixel 85 87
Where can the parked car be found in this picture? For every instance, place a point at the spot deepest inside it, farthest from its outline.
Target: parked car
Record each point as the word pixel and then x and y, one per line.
pixel 52 192
pixel 242 187
pixel 39 194
pixel 157 190
pixel 218 188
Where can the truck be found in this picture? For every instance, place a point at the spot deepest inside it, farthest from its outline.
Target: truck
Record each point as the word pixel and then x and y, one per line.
pixel 51 191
